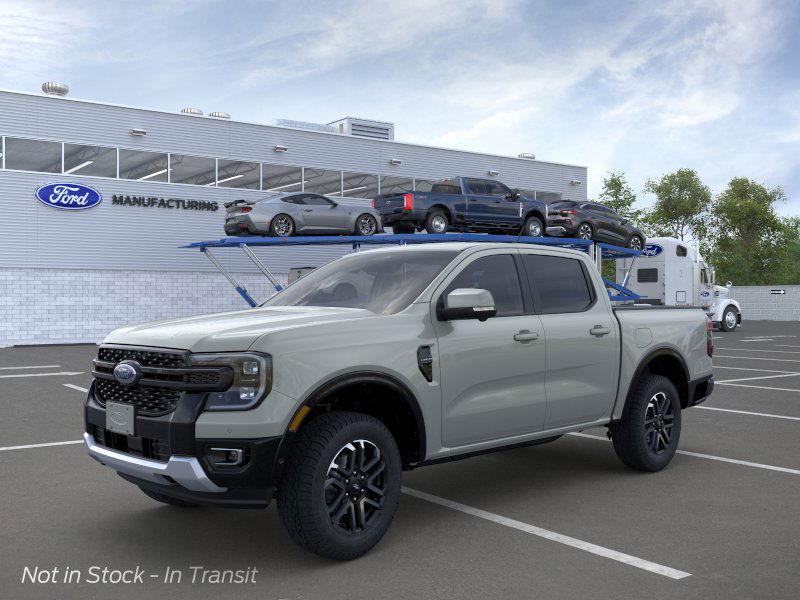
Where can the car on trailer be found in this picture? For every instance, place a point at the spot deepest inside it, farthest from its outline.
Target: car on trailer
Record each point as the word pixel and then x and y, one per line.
pixel 300 213
pixel 594 221
pixel 466 204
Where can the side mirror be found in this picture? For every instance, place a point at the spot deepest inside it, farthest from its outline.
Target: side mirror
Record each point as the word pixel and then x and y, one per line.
pixel 467 303
pixel 334 204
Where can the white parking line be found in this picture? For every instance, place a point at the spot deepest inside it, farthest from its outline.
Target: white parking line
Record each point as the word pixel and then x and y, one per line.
pixel 550 535
pixel 758 387
pixel 41 374
pixel 758 350
pixel 734 461
pixel 758 358
pixel 41 445
pixel 747 412
pixel 751 369
pixel 76 387
pixel 759 377
pixel 31 367
pixel 786 346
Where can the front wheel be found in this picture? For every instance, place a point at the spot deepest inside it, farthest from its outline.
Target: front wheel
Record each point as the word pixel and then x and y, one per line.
pixel 584 232
pixel 635 243
pixel 366 225
pixel 533 227
pixel 647 436
pixel 341 486
pixel 729 319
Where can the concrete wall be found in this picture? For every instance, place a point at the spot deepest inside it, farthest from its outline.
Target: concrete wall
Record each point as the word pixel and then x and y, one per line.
pixel 62 306
pixel 759 304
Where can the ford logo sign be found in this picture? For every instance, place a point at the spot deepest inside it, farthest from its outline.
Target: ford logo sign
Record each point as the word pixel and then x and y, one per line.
pixel 127 373
pixel 652 250
pixel 68 196
pixel 705 293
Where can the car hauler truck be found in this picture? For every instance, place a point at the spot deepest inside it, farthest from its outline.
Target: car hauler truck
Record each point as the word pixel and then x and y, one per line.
pixel 669 272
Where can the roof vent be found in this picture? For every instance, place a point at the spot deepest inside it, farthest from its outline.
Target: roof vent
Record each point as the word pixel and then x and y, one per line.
pixel 527 155
pixel 192 111
pixel 51 88
pixel 303 125
pixel 376 130
pixel 219 115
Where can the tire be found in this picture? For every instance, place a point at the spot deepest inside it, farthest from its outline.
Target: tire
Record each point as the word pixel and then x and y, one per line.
pixel 649 446
pixel 437 221
pixel 635 242
pixel 313 487
pixel 533 227
pixel 403 228
pixel 167 499
pixel 366 224
pixel 729 319
pixel 281 225
pixel 584 232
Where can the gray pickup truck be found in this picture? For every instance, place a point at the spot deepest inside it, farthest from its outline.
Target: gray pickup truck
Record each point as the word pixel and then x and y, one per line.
pixel 384 361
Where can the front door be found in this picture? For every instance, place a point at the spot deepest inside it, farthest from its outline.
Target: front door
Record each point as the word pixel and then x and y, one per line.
pixel 493 372
pixel 582 339
pixel 488 205
pixel 324 215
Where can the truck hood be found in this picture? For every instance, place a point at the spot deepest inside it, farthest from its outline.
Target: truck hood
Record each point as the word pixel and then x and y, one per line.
pixel 228 332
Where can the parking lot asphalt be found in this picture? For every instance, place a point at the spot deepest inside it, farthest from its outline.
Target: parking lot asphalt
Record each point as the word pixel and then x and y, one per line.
pixel 561 520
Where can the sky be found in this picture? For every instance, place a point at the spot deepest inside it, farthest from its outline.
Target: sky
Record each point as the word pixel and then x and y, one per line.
pixel 639 87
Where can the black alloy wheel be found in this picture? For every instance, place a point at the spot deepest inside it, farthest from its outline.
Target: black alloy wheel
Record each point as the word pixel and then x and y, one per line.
pixel 281 226
pixel 355 486
pixel 584 231
pixel 635 243
pixel 659 419
pixel 366 225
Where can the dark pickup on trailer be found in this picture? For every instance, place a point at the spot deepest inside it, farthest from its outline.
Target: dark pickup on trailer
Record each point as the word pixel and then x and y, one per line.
pixel 463 204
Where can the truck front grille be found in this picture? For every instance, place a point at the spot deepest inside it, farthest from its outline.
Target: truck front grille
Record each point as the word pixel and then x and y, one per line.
pixel 146 358
pixel 149 401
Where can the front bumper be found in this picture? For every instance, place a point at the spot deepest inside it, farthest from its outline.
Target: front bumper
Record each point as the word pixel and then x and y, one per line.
pixel 185 471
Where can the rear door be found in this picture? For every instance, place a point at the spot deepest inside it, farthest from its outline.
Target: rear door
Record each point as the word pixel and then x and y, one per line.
pixel 582 339
pixel 492 372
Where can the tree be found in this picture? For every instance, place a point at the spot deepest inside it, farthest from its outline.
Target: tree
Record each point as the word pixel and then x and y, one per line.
pixel 617 194
pixel 750 243
pixel 681 204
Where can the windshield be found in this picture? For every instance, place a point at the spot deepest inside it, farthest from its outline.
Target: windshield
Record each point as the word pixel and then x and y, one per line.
pixel 382 282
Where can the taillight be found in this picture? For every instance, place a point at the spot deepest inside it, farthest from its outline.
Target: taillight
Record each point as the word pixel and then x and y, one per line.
pixel 408 201
pixel 709 338
pixel 246 209
pixel 566 213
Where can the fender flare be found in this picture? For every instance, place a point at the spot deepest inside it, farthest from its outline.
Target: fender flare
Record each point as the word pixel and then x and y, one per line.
pixel 644 363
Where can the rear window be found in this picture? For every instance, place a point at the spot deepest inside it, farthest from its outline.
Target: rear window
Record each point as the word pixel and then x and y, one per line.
pixel 558 284
pixel 647 275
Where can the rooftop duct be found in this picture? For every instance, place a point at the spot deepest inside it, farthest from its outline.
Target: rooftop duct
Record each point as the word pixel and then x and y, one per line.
pixel 192 111
pixel 51 88
pixel 376 130
pixel 219 115
pixel 303 125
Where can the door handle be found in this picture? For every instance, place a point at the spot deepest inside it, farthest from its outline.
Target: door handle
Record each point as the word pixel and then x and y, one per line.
pixel 308 210
pixel 525 336
pixel 599 331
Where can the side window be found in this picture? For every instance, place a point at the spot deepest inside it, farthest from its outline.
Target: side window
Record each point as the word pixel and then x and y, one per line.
pixel 315 200
pixel 446 186
pixel 558 284
pixel 295 199
pixel 681 250
pixel 495 188
pixel 498 274
pixel 647 275
pixel 476 186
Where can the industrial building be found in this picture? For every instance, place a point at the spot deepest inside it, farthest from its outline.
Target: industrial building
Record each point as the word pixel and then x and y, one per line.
pixel 162 179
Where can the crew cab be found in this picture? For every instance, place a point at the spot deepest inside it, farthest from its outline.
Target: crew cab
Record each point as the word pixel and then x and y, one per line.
pixel 321 399
pixel 464 204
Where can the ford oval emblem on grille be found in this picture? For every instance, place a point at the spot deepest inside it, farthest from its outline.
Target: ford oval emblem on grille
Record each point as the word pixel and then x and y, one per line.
pixel 68 196
pixel 127 373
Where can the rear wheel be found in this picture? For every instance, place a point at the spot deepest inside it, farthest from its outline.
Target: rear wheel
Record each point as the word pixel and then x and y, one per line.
pixel 168 500
pixel 281 226
pixel 584 232
pixel 729 319
pixel 647 436
pixel 533 227
pixel 341 486
pixel 437 221
pixel 366 224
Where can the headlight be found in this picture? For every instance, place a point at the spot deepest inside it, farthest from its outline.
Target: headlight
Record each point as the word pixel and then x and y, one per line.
pixel 252 379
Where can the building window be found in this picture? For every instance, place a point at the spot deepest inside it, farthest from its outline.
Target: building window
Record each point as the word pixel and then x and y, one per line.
pixel 96 161
pixel 321 181
pixel 396 185
pixel 33 155
pixel 144 166
pixel 359 185
pixel 280 178
pixel 194 170
pixel 237 174
pixel 423 185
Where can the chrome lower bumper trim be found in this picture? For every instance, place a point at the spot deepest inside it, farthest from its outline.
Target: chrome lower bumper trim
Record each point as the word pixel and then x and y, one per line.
pixel 184 470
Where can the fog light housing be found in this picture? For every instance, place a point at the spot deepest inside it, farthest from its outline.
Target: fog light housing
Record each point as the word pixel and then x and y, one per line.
pixel 225 457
